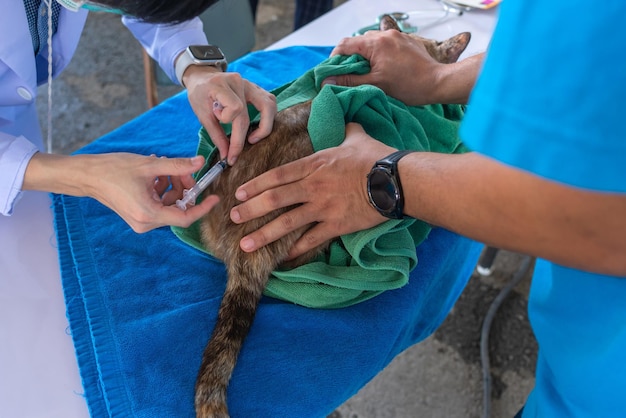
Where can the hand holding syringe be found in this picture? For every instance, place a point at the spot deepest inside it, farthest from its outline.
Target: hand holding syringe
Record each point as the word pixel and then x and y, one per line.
pixel 190 196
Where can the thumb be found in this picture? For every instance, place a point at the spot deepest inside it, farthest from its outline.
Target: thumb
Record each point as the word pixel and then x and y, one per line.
pixel 354 132
pixel 347 80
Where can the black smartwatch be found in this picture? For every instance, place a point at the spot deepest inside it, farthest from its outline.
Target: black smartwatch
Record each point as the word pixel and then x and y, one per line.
pixel 210 55
pixel 384 188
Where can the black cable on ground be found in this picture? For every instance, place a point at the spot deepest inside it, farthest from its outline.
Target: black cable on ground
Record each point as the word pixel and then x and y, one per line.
pixel 484 335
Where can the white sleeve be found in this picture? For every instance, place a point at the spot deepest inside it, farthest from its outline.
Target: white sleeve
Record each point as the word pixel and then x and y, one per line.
pixel 165 42
pixel 15 154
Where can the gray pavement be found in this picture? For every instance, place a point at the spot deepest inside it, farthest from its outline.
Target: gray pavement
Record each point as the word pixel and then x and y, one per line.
pixel 103 88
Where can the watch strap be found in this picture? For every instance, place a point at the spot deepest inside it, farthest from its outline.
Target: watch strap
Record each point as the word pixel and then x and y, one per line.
pixel 393 158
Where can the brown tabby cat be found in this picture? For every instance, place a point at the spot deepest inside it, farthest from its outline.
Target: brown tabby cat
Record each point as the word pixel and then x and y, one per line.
pixel 248 273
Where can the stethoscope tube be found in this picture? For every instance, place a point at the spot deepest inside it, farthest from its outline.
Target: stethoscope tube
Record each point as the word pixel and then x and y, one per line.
pixel 448 8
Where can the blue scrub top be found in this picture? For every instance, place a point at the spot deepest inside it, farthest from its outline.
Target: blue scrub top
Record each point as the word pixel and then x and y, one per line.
pixel 549 101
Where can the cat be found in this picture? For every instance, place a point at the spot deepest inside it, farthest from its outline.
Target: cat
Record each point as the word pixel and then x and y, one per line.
pixel 248 273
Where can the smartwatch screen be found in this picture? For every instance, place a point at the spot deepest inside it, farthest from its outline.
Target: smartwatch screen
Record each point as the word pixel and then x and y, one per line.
pixel 206 52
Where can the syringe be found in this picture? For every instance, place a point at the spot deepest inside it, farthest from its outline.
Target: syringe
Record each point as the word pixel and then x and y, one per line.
pixel 190 196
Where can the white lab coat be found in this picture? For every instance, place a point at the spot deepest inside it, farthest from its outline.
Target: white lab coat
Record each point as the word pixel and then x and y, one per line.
pixel 31 299
pixel 38 371
pixel 20 133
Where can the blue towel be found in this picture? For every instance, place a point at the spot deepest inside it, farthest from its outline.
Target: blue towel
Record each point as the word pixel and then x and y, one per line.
pixel 141 307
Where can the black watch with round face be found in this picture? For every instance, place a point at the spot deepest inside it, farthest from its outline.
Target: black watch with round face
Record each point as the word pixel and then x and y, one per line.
pixel 384 188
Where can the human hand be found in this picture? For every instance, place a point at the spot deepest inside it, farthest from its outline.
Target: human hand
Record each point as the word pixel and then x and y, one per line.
pixel 330 187
pixel 400 66
pixel 143 190
pixel 223 97
pixel 136 187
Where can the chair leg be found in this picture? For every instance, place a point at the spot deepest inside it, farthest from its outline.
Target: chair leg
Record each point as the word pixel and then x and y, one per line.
pixel 485 262
pixel 150 78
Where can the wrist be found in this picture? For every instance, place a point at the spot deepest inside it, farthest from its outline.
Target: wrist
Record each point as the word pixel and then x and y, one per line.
pixel 199 55
pixel 56 174
pixel 454 82
pixel 444 86
pixel 194 71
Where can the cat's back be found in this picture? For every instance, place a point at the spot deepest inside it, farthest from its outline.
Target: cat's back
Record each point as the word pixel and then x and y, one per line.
pixel 288 141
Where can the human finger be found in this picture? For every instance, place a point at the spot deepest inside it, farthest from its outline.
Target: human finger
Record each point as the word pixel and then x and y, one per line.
pixel 172 215
pixel 161 183
pixel 225 104
pixel 349 80
pixel 239 131
pixel 217 135
pixel 313 237
pixel 265 103
pixel 281 175
pixel 186 181
pixel 277 228
pixel 268 201
pixel 175 192
pixel 174 172
pixel 197 211
pixel 354 45
pixel 349 46
pixel 231 109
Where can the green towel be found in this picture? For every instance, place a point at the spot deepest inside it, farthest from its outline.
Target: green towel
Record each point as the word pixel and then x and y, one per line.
pixel 363 264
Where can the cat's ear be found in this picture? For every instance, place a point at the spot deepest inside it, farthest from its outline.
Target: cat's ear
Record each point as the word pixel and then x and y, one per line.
pixel 387 23
pixel 451 49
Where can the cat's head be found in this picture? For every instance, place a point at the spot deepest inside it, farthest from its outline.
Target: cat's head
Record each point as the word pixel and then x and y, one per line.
pixel 446 52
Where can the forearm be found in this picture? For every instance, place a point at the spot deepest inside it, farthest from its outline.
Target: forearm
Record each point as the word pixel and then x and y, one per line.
pixel 59 174
pixel 507 208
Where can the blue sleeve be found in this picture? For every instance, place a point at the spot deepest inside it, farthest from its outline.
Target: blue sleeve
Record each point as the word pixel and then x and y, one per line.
pixel 549 98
